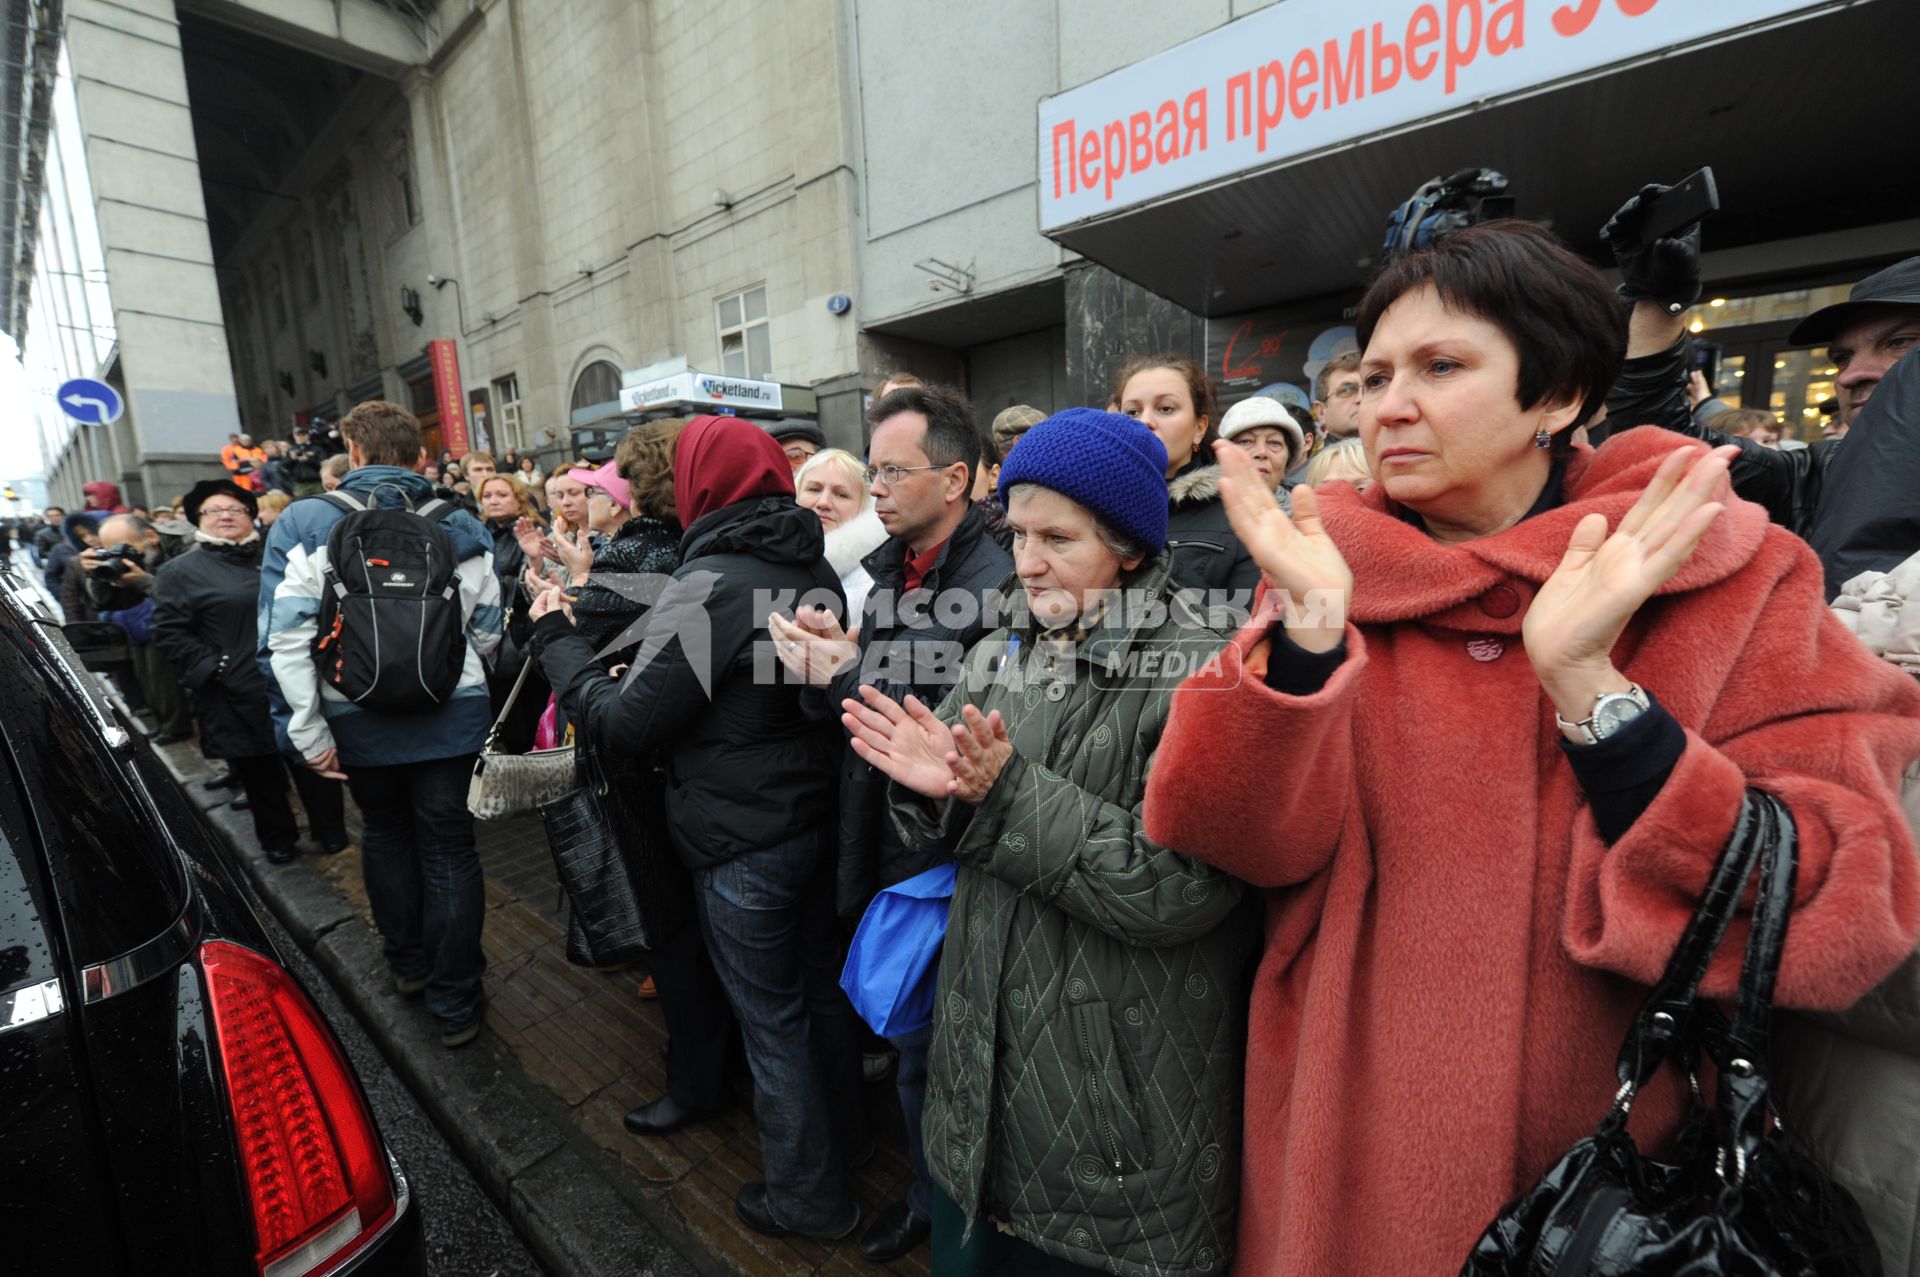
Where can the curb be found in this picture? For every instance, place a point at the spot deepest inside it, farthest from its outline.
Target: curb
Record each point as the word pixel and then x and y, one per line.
pixel 551 1182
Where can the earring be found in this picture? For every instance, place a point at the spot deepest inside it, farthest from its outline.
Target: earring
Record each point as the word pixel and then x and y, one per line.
pixel 1541 439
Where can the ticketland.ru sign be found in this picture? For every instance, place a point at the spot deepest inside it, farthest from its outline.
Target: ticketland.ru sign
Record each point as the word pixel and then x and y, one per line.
pixel 1303 75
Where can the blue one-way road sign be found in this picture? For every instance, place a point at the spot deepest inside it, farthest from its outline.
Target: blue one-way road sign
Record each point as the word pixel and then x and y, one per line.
pixel 90 401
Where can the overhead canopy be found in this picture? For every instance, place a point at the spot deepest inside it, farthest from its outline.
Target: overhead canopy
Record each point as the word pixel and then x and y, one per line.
pixel 1806 125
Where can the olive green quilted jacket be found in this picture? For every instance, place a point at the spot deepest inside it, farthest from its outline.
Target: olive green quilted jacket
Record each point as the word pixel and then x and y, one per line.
pixel 1085 1077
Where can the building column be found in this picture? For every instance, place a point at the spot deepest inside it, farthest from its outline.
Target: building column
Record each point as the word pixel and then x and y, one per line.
pixel 131 89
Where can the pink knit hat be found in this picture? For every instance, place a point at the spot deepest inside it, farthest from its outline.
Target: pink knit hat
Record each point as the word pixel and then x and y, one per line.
pixel 606 477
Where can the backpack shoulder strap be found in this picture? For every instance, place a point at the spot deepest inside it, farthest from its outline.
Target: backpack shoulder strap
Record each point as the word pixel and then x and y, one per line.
pixel 343 499
pixel 436 509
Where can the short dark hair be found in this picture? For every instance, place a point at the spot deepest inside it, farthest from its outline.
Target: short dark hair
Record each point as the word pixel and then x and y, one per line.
pixel 1206 401
pixel 1345 361
pixel 952 434
pixel 388 434
pixel 1569 328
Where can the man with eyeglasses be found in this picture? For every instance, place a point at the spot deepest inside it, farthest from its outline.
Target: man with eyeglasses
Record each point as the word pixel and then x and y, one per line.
pixel 928 605
pixel 1336 397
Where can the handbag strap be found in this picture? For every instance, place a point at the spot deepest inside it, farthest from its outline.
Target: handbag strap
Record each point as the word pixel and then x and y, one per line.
pixel 1743 1055
pixel 493 733
pixel 1668 1014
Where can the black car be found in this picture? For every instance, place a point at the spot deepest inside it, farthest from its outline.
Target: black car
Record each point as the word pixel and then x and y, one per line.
pixel 170 1099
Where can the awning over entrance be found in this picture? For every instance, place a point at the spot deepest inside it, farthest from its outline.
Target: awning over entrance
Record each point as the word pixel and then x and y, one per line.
pixel 1809 127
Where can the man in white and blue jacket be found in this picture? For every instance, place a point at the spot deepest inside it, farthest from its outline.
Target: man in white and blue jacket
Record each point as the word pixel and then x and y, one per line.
pixel 408 772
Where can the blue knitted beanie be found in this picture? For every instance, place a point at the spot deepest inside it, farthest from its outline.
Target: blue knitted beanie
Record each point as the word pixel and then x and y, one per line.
pixel 1109 463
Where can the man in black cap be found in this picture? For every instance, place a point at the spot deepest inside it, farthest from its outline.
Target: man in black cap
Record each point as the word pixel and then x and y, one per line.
pixel 798 439
pixel 303 463
pixel 1867 334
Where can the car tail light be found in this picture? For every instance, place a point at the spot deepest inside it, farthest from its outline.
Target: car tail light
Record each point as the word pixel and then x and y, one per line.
pixel 315 1170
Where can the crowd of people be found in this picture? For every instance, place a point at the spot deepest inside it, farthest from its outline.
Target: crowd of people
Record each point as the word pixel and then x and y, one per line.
pixel 1318 788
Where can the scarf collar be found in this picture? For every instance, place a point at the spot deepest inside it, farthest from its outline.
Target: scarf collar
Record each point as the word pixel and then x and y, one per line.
pixel 207 538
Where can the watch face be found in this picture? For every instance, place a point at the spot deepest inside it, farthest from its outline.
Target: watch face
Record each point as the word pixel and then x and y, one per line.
pixel 1613 713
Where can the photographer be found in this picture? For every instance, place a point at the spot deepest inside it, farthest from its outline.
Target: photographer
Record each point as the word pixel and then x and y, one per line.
pixel 1864 336
pixel 120 584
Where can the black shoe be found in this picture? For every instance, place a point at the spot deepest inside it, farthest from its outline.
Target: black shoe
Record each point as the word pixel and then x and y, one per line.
pixel 665 1116
pixel 172 738
pixel 453 1038
pixel 896 1231
pixel 750 1204
pixel 334 846
pixel 229 779
pixel 241 802
pixel 282 855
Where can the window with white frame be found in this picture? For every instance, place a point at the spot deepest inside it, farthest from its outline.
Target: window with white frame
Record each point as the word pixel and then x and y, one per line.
pixel 746 344
pixel 506 394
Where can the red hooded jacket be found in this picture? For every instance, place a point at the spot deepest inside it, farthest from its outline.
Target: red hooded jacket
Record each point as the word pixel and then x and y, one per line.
pixel 1453 952
pixel 102 495
pixel 720 461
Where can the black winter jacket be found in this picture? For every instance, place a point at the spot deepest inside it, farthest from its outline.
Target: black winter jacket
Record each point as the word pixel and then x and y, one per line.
pixel 1651 390
pixel 1207 556
pixel 510 565
pixel 642 546
pixel 905 649
pixel 205 617
pixel 749 767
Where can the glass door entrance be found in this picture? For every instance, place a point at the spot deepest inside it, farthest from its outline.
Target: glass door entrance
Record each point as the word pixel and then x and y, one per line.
pixel 1758 369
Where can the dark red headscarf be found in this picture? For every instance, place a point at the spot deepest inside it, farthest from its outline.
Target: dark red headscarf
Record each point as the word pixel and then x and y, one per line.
pixel 723 460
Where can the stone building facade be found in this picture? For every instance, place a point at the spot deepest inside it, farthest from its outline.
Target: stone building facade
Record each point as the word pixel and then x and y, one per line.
pixel 568 190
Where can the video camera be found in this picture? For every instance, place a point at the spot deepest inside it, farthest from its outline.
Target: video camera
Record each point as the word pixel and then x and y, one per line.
pixel 113 562
pixel 1442 206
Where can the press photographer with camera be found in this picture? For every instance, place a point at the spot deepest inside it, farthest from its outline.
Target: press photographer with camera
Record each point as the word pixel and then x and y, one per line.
pixel 120 585
pixel 1864 337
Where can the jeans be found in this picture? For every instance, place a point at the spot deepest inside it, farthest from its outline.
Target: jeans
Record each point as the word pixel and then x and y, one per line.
pixel 422 870
pixel 910 1081
pixel 770 927
pixel 264 781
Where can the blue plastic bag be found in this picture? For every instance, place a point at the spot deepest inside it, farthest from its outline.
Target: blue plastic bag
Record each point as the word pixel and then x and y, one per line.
pixel 894 960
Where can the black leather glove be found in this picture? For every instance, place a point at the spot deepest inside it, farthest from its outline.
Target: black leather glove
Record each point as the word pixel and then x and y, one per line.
pixel 1664 270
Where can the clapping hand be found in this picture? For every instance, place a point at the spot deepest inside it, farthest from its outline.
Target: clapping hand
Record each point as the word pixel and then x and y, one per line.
pixel 1295 554
pixel 573 550
pixel 913 747
pixel 812 645
pixel 1579 614
pixel 547 597
pixel 532 542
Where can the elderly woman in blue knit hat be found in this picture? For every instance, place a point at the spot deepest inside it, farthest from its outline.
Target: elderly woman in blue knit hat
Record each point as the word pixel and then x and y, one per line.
pixel 1083 1092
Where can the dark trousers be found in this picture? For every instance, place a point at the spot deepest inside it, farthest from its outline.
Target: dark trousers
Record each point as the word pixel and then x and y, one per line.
pixel 910 1084
pixel 700 1024
pixel 264 781
pixel 770 928
pixel 422 869
pixel 162 690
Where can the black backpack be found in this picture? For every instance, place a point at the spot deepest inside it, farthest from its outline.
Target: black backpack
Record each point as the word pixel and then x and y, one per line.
pixel 391 635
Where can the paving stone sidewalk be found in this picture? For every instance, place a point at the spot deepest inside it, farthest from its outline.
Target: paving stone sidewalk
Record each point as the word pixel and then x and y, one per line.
pixel 536 1104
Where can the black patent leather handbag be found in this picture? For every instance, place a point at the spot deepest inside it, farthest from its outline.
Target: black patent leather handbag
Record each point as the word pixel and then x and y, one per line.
pixel 626 886
pixel 1738 1195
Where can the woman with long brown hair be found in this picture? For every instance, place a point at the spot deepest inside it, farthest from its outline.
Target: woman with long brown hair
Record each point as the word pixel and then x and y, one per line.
pixel 1175 398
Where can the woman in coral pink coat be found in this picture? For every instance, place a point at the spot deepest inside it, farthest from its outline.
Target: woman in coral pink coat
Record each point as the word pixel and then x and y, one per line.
pixel 1509 713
